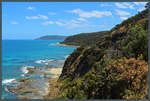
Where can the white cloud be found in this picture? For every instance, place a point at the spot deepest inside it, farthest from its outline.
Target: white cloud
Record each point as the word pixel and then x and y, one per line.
pixel 94 13
pixel 81 19
pixel 48 22
pixel 119 5
pixel 122 13
pixel 60 23
pixel 124 5
pixel 31 8
pixel 141 9
pixel 129 5
pixel 105 5
pixel 51 13
pixel 70 23
pixel 123 18
pixel 14 22
pixel 32 17
pixel 74 23
pixel 37 17
pixel 139 3
pixel 43 17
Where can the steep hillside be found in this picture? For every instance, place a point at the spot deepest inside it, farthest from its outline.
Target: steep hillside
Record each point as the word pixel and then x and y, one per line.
pixel 52 37
pixel 116 68
pixel 84 39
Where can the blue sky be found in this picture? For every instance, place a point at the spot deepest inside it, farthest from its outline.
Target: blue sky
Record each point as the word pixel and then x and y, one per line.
pixel 29 20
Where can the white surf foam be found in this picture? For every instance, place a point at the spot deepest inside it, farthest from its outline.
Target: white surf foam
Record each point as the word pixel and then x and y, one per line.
pixel 24 69
pixel 38 61
pixel 7 81
pixel 46 61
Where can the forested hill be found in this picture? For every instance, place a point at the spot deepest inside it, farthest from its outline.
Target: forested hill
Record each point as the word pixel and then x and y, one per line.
pixel 115 68
pixel 51 37
pixel 84 39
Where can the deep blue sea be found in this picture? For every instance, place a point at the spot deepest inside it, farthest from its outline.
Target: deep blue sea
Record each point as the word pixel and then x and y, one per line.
pixel 17 54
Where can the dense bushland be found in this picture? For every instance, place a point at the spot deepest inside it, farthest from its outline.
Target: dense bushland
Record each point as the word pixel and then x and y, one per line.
pixel 115 68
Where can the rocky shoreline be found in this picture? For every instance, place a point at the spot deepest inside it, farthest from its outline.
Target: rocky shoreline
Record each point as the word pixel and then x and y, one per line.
pixel 33 88
pixel 53 90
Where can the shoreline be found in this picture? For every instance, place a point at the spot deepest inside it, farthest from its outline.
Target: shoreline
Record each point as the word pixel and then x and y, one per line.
pixel 53 88
pixel 33 79
pixel 64 45
pixel 31 88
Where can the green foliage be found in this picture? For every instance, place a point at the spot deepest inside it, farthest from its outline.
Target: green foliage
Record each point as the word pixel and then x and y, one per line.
pixel 115 68
pixel 132 20
pixel 52 37
pixel 73 90
pixel 119 79
pixel 84 39
pixel 135 43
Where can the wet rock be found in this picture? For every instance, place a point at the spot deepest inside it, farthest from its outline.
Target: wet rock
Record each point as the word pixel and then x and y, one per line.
pixel 31 70
pixel 23 80
pixel 24 97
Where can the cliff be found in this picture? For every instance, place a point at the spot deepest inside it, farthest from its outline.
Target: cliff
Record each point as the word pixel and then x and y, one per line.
pixel 115 68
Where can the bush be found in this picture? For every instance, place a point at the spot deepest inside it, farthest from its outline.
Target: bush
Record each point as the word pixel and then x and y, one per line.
pixel 135 43
pixel 119 79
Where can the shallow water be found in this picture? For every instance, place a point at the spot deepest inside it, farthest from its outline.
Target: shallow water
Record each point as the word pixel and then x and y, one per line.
pixel 19 54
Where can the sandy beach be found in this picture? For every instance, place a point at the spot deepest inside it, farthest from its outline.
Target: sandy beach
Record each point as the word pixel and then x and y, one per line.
pixel 55 71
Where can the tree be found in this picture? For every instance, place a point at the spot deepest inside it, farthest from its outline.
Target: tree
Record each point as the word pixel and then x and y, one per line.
pixel 136 43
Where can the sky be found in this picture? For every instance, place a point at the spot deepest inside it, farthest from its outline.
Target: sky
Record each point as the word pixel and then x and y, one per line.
pixel 30 20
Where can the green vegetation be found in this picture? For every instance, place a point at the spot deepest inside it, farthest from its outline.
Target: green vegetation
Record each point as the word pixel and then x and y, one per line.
pixel 135 44
pixel 114 68
pixel 84 39
pixel 120 79
pixel 52 37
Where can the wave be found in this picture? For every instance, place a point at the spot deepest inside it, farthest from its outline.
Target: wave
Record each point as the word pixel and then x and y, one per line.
pixel 39 61
pixel 25 70
pixel 6 81
pixel 55 63
pixel 46 61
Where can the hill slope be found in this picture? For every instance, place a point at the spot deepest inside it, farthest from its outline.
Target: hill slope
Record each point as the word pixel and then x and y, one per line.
pixel 115 68
pixel 85 39
pixel 52 37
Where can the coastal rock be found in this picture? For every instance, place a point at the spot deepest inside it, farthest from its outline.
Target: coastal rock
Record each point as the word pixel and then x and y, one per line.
pixel 23 80
pixel 53 90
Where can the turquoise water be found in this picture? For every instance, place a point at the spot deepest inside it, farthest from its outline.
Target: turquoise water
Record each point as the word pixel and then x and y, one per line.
pixel 19 53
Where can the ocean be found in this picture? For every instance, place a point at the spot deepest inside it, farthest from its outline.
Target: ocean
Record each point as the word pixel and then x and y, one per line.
pixel 19 54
